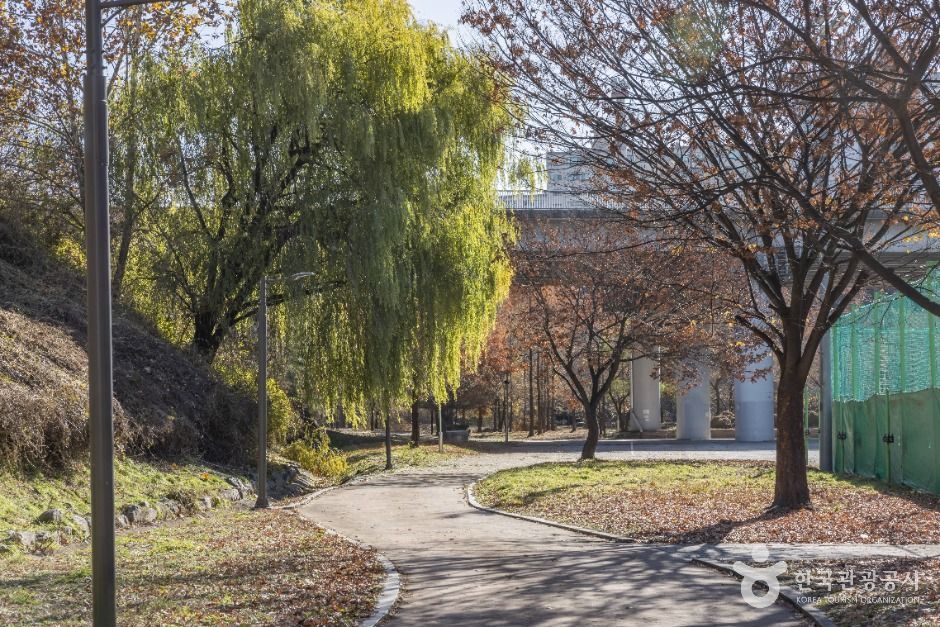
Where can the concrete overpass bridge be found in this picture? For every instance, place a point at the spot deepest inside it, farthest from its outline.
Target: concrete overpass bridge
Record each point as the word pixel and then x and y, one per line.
pixel 753 398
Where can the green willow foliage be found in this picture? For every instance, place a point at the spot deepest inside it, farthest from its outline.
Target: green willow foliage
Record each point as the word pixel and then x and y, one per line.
pixel 341 138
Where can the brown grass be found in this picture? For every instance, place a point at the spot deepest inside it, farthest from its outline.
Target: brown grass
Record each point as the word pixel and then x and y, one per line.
pixel 166 403
pixel 228 568
pixel 883 591
pixel 690 502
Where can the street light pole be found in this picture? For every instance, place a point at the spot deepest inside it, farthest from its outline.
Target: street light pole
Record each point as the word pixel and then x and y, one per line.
pixel 440 428
pixel 506 409
pixel 262 501
pixel 98 268
pixel 98 279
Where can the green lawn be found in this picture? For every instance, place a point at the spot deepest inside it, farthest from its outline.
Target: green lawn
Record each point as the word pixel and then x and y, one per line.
pixel 689 502
pixel 370 459
pixel 23 498
pixel 224 568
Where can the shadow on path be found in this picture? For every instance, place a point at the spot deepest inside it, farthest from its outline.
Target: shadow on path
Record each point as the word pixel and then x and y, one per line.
pixel 463 567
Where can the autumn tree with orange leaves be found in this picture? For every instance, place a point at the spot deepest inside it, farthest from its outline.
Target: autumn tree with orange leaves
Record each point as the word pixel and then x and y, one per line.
pixel 683 110
pixel 879 62
pixel 599 298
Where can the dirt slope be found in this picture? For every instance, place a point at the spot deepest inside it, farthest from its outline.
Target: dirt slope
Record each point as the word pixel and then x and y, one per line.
pixel 166 402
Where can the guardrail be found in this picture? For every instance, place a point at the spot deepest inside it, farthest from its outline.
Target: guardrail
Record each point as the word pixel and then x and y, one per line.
pixel 524 200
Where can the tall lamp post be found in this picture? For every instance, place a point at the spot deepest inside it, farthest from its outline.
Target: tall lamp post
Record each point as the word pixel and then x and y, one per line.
pixel 98 277
pixel 262 500
pixel 506 408
pixel 440 428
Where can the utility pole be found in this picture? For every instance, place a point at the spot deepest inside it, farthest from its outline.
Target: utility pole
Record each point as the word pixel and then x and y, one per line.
pixel 98 279
pixel 98 269
pixel 825 404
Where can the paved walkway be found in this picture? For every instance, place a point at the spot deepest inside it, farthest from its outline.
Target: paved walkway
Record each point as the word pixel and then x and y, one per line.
pixel 732 552
pixel 465 567
pixel 533 451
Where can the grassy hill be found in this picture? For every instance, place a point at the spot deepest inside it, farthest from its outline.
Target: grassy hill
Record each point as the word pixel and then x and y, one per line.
pixel 167 404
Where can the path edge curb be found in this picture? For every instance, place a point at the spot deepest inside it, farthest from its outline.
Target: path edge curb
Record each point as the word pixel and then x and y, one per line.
pixel 388 597
pixel 307 498
pixel 788 594
pixel 391 587
pixel 474 503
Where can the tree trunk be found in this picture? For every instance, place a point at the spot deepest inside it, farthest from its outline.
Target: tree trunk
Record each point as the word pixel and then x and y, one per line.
pixel 206 338
pixel 593 435
pixel 130 198
pixel 479 420
pixel 124 248
pixel 716 386
pixel 415 424
pixel 791 490
pixel 388 442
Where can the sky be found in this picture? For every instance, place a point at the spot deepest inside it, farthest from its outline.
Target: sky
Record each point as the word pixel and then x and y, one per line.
pixel 447 13
pixel 444 12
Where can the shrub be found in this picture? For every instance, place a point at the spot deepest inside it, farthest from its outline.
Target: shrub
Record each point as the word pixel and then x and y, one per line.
pixel 282 419
pixel 314 455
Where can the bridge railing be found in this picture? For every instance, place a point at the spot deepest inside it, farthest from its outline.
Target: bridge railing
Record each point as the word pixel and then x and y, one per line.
pixel 528 201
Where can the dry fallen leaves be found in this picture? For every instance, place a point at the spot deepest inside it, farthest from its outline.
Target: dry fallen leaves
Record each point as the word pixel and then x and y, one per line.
pixel 235 567
pixel 685 503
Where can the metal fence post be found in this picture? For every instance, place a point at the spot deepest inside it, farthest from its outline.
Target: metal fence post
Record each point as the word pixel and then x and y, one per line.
pixel 902 345
pixel 825 404
pixel 931 347
pixel 853 362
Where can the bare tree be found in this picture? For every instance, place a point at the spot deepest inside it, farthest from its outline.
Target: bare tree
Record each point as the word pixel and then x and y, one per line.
pixel 879 60
pixel 649 92
pixel 600 298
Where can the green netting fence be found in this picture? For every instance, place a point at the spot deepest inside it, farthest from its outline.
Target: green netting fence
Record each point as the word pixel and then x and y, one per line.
pixel 886 393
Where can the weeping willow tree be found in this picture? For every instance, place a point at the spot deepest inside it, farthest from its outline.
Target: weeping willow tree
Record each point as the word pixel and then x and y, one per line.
pixel 340 138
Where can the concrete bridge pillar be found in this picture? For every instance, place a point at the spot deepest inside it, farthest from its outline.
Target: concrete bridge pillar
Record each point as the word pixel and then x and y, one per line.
pixel 694 407
pixel 754 404
pixel 646 411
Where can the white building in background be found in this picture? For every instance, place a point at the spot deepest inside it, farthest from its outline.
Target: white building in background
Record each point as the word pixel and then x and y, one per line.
pixel 566 172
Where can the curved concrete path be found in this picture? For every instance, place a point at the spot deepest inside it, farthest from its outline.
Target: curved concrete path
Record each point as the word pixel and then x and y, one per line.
pixel 463 567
